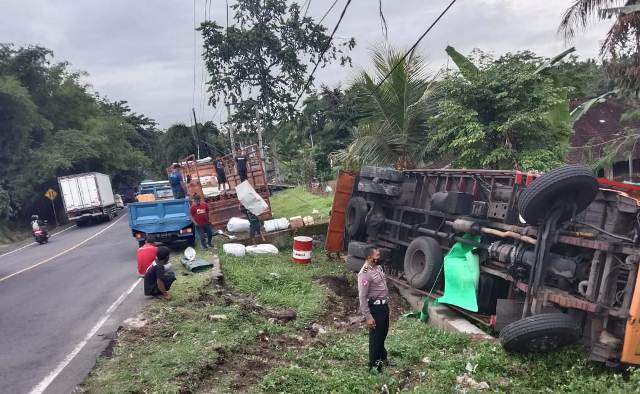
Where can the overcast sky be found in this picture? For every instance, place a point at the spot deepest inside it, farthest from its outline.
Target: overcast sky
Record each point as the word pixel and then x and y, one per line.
pixel 142 51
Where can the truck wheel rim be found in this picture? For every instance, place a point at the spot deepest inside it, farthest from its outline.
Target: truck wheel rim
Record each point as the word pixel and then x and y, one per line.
pixel 418 261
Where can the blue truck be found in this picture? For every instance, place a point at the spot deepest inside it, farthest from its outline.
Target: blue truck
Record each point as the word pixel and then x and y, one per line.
pixel 167 221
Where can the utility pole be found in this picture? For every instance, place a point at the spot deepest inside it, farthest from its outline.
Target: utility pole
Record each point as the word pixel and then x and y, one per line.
pixel 197 132
pixel 264 166
pixel 230 128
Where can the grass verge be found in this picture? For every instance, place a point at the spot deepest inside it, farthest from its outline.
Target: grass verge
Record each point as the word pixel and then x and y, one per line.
pixel 189 339
pixel 299 202
pixel 186 346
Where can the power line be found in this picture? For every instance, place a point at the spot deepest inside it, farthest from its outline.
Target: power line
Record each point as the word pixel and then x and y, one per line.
pixel 328 11
pixel 306 10
pixel 416 43
pixel 193 95
pixel 383 21
pixel 315 67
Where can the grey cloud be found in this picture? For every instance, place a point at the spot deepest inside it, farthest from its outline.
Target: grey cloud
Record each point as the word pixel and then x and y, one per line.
pixel 142 50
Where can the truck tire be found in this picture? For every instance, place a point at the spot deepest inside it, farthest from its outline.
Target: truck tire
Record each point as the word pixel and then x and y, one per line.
pixel 540 333
pixel 422 262
pixel 356 213
pixel 387 174
pixel 384 189
pixel 358 249
pixel 574 184
pixel 354 263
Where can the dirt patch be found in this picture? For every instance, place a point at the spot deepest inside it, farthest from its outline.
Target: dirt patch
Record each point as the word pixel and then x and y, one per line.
pixel 241 370
pixel 250 304
pixel 343 311
pixel 342 302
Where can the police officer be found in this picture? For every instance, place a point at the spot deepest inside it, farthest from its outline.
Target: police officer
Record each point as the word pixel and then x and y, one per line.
pixel 374 296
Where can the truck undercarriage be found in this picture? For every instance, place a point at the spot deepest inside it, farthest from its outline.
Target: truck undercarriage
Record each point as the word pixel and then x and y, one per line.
pixel 557 253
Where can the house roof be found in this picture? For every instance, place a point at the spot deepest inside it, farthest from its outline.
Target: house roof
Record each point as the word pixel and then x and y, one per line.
pixel 599 125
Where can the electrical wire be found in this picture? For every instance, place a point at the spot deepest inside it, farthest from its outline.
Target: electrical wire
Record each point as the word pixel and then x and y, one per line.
pixel 315 67
pixel 193 95
pixel 383 20
pixel 306 10
pixel 413 47
pixel 328 11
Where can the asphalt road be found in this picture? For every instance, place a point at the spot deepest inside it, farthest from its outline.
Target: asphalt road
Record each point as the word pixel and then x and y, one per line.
pixel 60 304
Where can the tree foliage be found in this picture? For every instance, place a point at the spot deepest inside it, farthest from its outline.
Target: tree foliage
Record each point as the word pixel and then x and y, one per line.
pixel 506 116
pixel 263 55
pixel 395 113
pixel 325 124
pixel 53 125
pixel 622 42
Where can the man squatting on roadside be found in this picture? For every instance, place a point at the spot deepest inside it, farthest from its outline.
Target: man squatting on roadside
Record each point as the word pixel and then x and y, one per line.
pixel 374 295
pixel 157 279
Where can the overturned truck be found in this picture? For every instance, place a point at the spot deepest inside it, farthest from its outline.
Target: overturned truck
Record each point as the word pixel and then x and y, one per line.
pixel 556 255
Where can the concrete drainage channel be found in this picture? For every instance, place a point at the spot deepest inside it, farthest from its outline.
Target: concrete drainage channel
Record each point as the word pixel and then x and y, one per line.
pixel 440 316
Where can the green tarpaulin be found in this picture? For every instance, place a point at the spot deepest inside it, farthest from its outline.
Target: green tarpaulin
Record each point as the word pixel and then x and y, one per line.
pixel 461 275
pixel 196 264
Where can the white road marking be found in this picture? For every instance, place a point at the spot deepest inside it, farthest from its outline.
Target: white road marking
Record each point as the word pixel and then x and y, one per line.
pixel 44 383
pixel 33 243
pixel 63 252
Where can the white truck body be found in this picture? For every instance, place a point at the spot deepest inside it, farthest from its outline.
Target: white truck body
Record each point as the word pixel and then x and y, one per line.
pixel 87 195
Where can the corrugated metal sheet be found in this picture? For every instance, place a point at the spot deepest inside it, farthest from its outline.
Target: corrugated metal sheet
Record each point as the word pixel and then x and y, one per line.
pixel 335 232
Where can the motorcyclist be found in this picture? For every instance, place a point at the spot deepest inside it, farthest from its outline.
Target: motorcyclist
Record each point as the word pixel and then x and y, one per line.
pixel 37 224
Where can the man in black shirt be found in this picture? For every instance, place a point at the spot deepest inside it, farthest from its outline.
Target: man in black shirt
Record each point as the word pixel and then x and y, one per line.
pixel 158 281
pixel 222 177
pixel 241 165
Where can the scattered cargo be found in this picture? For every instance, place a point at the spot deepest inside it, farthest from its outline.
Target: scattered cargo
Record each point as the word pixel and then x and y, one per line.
pixel 200 178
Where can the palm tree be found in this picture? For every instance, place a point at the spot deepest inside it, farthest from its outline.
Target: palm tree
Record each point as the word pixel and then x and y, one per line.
pixel 622 42
pixel 395 125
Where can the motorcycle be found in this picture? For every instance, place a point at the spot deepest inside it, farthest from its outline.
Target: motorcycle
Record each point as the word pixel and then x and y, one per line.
pixel 41 235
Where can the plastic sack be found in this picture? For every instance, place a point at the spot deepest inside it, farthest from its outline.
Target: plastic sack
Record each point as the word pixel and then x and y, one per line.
pixel 238 225
pixel 262 249
pixel 234 249
pixel 250 199
pixel 276 224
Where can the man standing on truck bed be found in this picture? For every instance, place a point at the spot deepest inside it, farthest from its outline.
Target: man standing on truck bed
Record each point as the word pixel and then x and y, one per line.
pixel 222 177
pixel 241 165
pixel 176 182
pixel 200 215
pixel 374 295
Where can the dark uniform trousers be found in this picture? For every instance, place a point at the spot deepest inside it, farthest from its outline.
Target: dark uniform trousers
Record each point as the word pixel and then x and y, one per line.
pixel 377 352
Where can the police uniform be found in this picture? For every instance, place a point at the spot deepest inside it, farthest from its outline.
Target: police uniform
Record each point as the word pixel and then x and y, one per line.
pixel 373 295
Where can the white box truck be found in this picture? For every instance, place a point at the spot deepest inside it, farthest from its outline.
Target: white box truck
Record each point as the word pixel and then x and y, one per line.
pixel 88 197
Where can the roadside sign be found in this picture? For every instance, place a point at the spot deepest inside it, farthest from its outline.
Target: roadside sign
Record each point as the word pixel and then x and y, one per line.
pixel 51 194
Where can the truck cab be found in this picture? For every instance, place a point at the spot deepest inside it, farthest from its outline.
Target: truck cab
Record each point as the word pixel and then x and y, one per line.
pixel 168 221
pixel 154 190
